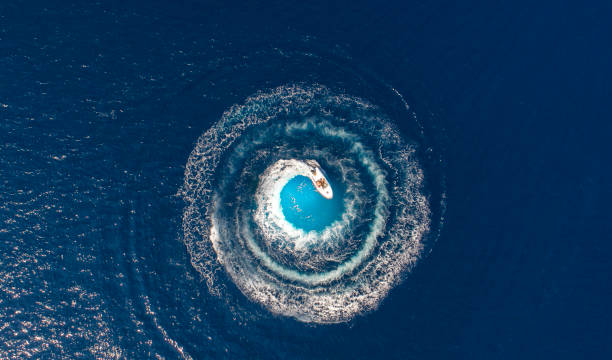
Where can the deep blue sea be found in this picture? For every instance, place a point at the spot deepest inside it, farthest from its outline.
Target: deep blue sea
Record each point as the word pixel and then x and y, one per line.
pixel 468 144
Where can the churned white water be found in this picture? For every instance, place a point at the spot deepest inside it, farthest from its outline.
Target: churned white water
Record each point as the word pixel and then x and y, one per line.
pixel 234 223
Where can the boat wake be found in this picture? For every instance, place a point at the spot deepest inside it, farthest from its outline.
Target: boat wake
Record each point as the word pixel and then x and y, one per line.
pixel 235 227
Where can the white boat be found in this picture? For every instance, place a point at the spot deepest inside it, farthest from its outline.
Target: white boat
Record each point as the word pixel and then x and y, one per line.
pixel 317 176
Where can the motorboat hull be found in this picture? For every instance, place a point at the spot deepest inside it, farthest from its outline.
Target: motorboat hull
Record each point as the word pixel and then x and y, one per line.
pixel 319 180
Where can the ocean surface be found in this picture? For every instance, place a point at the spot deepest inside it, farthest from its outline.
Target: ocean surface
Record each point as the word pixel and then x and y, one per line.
pixel 469 144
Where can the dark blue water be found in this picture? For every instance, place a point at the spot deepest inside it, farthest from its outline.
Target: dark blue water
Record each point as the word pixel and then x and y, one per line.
pixel 102 103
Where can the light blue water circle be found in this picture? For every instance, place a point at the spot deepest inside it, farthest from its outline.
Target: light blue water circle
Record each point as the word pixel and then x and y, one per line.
pixel 305 208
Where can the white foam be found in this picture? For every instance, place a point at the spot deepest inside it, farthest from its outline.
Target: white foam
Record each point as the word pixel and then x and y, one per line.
pixel 399 218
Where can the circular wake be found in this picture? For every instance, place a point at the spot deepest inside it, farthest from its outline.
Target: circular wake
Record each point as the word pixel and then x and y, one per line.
pixel 253 217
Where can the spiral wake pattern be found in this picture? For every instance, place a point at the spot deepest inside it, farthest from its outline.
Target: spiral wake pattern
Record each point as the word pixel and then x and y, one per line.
pixel 252 217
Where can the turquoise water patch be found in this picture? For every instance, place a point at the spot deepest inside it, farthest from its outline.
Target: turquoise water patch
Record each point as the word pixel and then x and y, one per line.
pixel 305 208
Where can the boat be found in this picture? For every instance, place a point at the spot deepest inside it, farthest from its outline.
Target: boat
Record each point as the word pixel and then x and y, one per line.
pixel 317 176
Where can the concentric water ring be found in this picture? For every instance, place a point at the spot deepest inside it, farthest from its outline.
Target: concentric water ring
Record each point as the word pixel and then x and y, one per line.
pixel 234 224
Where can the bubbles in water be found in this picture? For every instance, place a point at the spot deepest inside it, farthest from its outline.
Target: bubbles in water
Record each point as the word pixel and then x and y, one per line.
pixel 254 217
